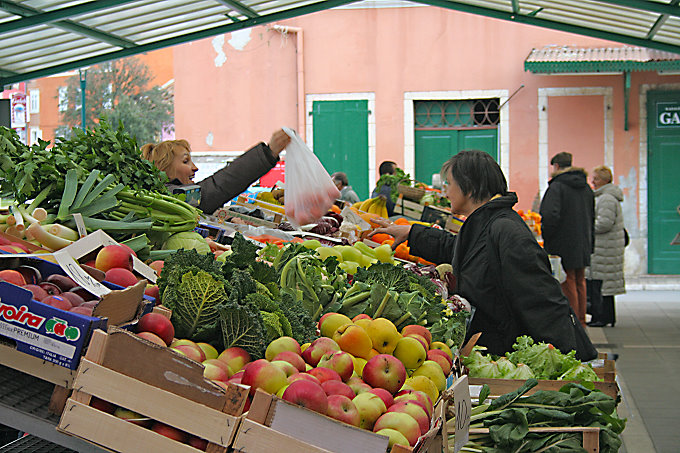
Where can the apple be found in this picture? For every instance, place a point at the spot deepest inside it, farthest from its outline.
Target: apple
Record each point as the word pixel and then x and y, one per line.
pixel 282 390
pixel 384 335
pixel 158 324
pixel 190 352
pixel 401 422
pixel 286 367
pixel 64 282
pixel 74 298
pixel 132 417
pixel 385 371
pixel 359 365
pixel 416 411
pixel 169 431
pixel 208 350
pixel 439 356
pixel 363 323
pixel 216 370
pixel 235 357
pixel 13 277
pixel 330 322
pixel 443 347
pixel 384 395
pixel 318 348
pixel 370 408
pixel 57 302
pixel 418 330
pixel 338 388
pixel 85 311
pixel 121 277
pixel 281 344
pixel 153 291
pixel 38 293
pixel 341 408
pixel 420 338
pixel 324 374
pixel 339 361
pixel 304 377
pixel 417 397
pixel 112 256
pixel 358 385
pixel 423 384
pixel 394 436
pixel 294 359
pixel 433 371
pixel 307 394
pixel 198 443
pixel 410 352
pixel 102 405
pixel 361 316
pixel 157 266
pixel 148 336
pixel 264 375
pixel 353 339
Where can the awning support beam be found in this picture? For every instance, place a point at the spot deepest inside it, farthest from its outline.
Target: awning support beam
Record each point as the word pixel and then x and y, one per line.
pixel 626 97
pixel 241 8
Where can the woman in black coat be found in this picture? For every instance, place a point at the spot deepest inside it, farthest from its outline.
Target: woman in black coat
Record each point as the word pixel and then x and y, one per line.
pixel 499 267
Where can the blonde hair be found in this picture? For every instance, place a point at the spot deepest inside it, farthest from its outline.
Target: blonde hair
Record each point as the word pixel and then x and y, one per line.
pixel 604 173
pixel 162 154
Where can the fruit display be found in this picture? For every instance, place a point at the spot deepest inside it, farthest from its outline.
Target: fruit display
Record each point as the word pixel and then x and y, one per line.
pixel 376 205
pixel 532 219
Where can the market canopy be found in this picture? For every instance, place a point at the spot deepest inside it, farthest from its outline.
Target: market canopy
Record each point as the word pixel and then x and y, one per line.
pixel 39 38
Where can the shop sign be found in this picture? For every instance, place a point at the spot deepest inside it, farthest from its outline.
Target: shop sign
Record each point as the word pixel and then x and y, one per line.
pixel 668 114
pixel 18 110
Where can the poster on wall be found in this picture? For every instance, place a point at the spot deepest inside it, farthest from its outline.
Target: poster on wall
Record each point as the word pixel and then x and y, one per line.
pixel 18 109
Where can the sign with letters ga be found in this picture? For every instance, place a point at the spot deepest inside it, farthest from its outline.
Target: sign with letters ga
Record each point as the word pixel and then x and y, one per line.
pixel 668 114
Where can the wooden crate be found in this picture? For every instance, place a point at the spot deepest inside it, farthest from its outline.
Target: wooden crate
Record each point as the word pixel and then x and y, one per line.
pixel 408 208
pixel 274 424
pixel 503 386
pixel 182 399
pixel 591 435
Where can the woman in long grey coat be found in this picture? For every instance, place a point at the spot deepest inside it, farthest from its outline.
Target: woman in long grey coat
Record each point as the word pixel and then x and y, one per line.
pixel 606 263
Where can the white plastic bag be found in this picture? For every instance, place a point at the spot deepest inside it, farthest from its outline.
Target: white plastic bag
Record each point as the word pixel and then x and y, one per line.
pixel 310 192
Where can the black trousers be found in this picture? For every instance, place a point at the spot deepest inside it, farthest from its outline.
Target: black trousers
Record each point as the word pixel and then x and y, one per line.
pixel 599 306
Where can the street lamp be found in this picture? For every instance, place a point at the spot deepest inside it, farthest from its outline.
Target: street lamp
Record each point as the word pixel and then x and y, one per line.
pixel 83 85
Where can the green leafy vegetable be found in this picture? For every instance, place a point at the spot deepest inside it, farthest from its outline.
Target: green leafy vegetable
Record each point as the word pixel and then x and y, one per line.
pixel 242 326
pixel 187 240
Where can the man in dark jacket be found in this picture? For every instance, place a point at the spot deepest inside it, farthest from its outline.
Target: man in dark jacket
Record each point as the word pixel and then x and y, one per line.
pixel 567 219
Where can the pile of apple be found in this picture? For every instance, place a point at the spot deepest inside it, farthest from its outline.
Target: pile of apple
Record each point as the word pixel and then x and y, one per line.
pixel 59 291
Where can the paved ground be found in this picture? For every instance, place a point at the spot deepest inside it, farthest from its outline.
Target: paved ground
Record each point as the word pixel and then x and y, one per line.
pixel 647 339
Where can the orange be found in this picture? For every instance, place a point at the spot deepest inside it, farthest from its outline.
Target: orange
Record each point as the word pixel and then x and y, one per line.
pixel 401 221
pixel 381 237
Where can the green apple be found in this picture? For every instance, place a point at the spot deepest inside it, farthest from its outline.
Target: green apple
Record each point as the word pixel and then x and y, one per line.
pixel 370 407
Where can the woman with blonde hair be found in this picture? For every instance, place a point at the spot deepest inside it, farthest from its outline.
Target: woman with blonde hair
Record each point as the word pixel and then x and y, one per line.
pixel 606 263
pixel 174 158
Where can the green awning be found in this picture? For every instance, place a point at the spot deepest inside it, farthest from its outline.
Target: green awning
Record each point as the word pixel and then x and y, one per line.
pixel 565 60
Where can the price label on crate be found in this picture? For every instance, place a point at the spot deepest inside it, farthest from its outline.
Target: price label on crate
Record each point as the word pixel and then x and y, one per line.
pixel 82 278
pixel 461 400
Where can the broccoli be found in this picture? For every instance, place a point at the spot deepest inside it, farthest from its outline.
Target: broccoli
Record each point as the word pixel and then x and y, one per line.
pixel 242 326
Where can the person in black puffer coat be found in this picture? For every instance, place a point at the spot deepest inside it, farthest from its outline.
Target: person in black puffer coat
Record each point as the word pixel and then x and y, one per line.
pixel 497 263
pixel 568 222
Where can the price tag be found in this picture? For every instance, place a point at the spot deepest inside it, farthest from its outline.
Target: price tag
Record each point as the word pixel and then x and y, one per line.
pixel 82 278
pixel 461 400
pixel 80 224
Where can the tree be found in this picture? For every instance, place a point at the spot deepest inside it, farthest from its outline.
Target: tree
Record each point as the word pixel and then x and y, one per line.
pixel 120 90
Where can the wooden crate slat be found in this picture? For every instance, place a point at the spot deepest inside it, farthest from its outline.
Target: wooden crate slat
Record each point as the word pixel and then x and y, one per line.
pixel 115 433
pixel 254 438
pixel 502 386
pixel 166 407
pixel 34 366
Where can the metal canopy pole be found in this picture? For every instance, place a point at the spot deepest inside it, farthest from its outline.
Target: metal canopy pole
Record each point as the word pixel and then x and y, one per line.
pixel 83 85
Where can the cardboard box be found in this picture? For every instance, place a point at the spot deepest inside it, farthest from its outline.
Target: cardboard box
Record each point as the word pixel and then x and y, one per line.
pixel 58 336
pixel 157 383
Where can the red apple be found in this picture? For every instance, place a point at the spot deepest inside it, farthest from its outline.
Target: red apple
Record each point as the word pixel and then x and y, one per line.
pixel 102 405
pixel 317 349
pixel 338 388
pixel 158 324
pixel 307 394
pixel 152 337
pixel 294 359
pixel 87 311
pixel 13 277
pixel 325 374
pixel 305 377
pixel 235 357
pixel 286 367
pixel 439 356
pixel 401 422
pixel 262 374
pixel 57 302
pixel 418 330
pixel 339 361
pixel 190 352
pixel 420 338
pixel 169 431
pixel 198 443
pixel 121 277
pixel 216 370
pixel 74 298
pixel 282 344
pixel 416 411
pixel 343 409
pixel 64 282
pixel 361 316
pixel 384 395
pixel 384 371
pixel 418 397
pixel 38 293
pixel 358 385
pixel 113 256
pixel 152 291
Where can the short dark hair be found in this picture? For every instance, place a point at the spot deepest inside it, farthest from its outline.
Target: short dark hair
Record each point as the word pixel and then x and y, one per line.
pixel 562 160
pixel 477 174
pixel 340 177
pixel 387 167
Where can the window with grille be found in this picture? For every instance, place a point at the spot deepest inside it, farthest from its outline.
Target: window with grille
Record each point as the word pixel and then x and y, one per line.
pixel 466 114
pixel 63 99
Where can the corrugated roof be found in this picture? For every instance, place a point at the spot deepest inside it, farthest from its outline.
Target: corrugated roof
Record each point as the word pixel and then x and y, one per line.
pixel 44 37
pixel 552 59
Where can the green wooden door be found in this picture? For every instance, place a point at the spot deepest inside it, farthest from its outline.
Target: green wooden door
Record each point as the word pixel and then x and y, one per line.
pixel 434 147
pixel 341 140
pixel 662 181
